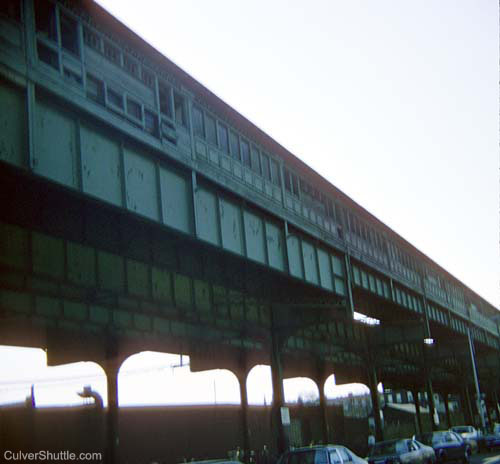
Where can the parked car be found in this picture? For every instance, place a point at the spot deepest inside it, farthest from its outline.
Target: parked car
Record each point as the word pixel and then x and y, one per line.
pixel 491 440
pixel 403 451
pixel 427 451
pixel 470 435
pixel 321 454
pixel 448 446
pixel 215 461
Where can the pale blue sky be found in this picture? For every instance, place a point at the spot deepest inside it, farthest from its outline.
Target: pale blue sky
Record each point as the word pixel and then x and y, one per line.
pixel 393 101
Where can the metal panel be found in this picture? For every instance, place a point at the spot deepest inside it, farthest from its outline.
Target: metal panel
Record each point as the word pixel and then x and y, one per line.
pixel 310 265
pixel 202 296
pixel 231 227
pixel 294 256
pixel 138 278
pixel 207 221
pixel 110 271
pixel 183 291
pixel 254 236
pixel 275 246
pixel 81 264
pixel 140 184
pixel 161 285
pixel 13 126
pixel 10 35
pixel 48 255
pixel 325 271
pixel 176 200
pixel 14 246
pixel 101 166
pixel 55 145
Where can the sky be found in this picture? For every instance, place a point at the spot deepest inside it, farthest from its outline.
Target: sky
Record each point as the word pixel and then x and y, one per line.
pixel 395 102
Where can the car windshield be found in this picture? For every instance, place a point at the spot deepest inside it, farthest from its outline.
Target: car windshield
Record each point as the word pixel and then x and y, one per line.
pixel 383 448
pixel 308 457
pixel 431 438
pixel 462 429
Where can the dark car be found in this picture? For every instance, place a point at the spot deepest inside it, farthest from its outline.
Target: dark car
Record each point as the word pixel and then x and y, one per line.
pixel 321 454
pixel 491 440
pixel 403 451
pixel 448 446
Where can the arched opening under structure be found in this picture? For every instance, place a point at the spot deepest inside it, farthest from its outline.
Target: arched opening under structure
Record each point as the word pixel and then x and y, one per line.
pixel 154 379
pixel 27 379
pixel 301 390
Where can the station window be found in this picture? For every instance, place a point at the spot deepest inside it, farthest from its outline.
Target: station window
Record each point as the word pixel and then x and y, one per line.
pixel 304 186
pixel 330 208
pixel 47 55
pixel 11 9
pixel 71 75
pixel 234 144
pixel 148 79
pixel 266 170
pixel 255 160
pixel 134 109
pixel 223 138
pixel 245 153
pixel 115 98
pixel 295 185
pixel 95 89
pixel 288 184
pixel 198 126
pixel 164 93
pixel 69 34
pixel 151 122
pixel 180 109
pixel 45 19
pixel 275 172
pixel 210 129
pixel 130 66
pixel 91 39
pixel 112 53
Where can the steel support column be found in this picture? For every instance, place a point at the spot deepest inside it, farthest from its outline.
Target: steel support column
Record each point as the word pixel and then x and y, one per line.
pixel 372 385
pixel 497 405
pixel 323 407
pixel 447 409
pixel 432 406
pixel 488 415
pixel 278 406
pixel 468 407
pixel 112 437
pixel 242 380
pixel 416 401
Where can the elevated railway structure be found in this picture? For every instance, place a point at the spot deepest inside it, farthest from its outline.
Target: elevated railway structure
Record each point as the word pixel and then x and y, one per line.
pixel 140 211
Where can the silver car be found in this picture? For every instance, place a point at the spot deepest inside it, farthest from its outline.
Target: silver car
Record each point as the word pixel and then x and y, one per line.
pixel 327 454
pixel 403 451
pixel 469 435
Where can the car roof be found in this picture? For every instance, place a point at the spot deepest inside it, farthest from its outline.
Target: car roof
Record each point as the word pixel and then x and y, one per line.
pixel 328 446
pixel 215 461
pixel 385 442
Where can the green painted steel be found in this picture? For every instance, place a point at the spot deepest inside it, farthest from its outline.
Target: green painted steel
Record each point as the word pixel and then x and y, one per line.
pixel 101 165
pixel 140 184
pixel 57 161
pixel 88 122
pixel 13 125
